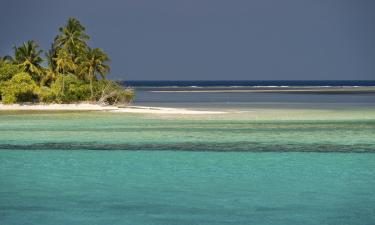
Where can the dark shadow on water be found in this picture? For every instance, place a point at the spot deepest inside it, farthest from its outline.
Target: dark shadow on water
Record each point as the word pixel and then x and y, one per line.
pixel 198 146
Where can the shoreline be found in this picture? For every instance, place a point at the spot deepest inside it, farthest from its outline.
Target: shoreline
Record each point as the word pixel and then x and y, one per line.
pixel 96 107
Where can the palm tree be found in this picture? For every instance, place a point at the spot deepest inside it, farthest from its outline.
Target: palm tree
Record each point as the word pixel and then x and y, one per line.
pixel 50 55
pixel 28 57
pixel 6 59
pixel 64 63
pixel 72 37
pixel 94 63
pixel 50 71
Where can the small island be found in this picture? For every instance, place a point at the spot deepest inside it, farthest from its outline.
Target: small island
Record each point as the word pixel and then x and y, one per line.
pixel 71 76
pixel 71 72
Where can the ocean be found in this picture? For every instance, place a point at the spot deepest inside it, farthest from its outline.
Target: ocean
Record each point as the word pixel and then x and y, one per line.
pixel 272 158
pixel 193 94
pixel 245 83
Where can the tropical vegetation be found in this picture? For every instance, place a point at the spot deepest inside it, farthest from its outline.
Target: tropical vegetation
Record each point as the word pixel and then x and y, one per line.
pixel 70 71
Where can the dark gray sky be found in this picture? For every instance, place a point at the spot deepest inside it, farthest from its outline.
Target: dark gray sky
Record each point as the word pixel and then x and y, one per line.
pixel 210 39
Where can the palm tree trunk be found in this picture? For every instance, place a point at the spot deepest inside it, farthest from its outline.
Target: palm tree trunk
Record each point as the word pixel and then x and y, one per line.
pixel 62 86
pixel 91 88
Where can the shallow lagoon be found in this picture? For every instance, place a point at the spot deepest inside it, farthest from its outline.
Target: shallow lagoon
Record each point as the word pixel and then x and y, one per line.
pixel 276 130
pixel 169 187
pixel 272 174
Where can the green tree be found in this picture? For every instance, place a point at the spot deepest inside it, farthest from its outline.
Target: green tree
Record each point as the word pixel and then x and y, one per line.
pixel 74 89
pixel 6 59
pixel 51 70
pixel 74 71
pixel 20 88
pixel 72 38
pixel 27 56
pixel 64 64
pixel 92 64
pixel 7 70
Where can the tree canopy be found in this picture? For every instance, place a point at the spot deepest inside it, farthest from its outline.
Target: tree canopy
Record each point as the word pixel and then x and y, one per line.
pixel 73 72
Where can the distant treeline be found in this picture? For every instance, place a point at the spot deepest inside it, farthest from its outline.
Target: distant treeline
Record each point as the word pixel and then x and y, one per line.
pixel 74 72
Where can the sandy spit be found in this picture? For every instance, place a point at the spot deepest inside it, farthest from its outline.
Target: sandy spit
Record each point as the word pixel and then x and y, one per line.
pixel 96 107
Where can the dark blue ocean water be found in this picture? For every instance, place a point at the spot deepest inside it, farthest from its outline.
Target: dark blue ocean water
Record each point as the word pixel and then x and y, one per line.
pixel 246 83
pixel 196 94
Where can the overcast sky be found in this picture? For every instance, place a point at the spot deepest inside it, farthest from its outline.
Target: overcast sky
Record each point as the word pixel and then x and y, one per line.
pixel 210 39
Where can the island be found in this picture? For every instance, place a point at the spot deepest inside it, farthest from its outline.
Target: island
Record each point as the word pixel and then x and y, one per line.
pixel 71 72
pixel 71 76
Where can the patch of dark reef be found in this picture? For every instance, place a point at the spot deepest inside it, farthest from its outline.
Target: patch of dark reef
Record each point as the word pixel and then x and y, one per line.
pixel 198 146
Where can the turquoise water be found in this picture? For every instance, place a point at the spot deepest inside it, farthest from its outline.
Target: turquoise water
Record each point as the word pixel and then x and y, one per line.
pixel 263 130
pixel 153 187
pixel 260 166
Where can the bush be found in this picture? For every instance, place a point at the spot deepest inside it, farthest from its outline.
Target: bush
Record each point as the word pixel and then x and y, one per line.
pixel 7 70
pixel 8 98
pixel 2 84
pixel 47 95
pixel 74 89
pixel 79 91
pixel 20 88
pixel 113 93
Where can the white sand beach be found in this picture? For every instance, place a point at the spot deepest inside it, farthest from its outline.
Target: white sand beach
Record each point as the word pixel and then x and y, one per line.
pixel 97 107
pixel 164 110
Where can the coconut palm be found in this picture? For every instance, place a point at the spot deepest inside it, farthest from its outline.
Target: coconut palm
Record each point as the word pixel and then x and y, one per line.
pixel 93 63
pixel 6 59
pixel 64 63
pixel 50 55
pixel 28 57
pixel 72 37
pixel 50 71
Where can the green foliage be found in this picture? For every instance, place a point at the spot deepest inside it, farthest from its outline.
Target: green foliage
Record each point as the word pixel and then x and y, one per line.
pixel 93 63
pixel 28 58
pixel 20 88
pixel 75 72
pixel 68 88
pixel 72 38
pixel 47 95
pixel 6 59
pixel 7 70
pixel 64 61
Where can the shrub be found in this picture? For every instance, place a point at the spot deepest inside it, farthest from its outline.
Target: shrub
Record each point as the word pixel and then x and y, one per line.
pixel 20 88
pixel 74 89
pixel 2 85
pixel 79 91
pixel 47 95
pixel 113 93
pixel 7 70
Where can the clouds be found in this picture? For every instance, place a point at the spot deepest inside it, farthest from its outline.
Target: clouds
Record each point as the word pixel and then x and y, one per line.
pixel 211 39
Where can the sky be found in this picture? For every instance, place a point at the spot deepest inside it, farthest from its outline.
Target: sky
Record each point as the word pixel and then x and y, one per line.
pixel 210 39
